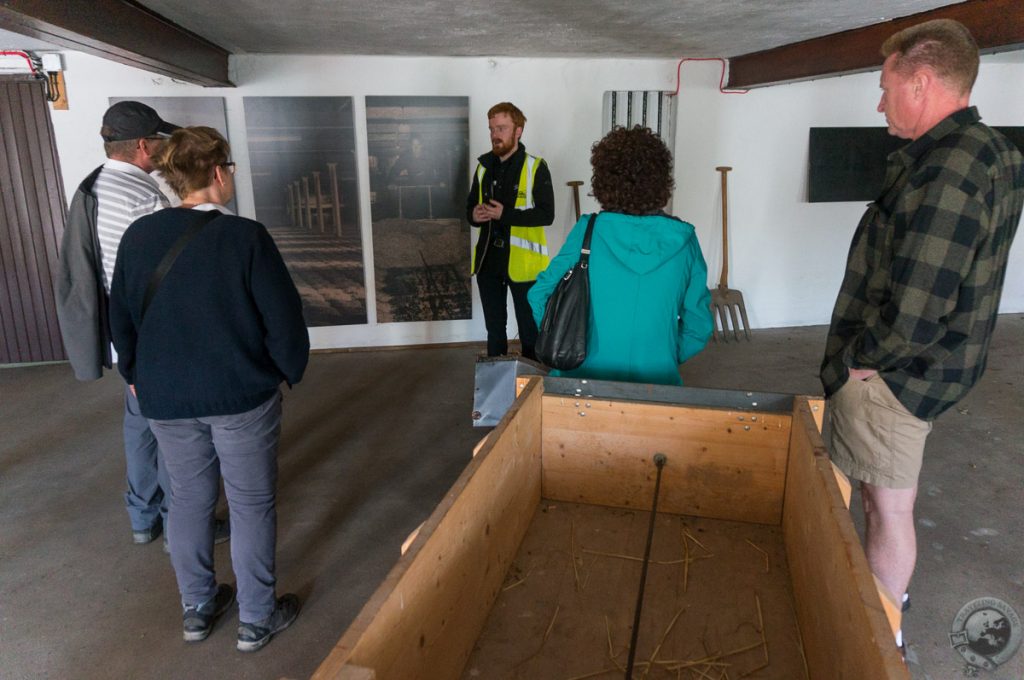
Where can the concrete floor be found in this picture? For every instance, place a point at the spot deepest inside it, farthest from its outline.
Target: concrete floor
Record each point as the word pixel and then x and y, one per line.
pixel 371 442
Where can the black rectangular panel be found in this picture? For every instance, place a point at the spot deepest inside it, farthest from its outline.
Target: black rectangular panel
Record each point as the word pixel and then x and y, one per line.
pixel 848 164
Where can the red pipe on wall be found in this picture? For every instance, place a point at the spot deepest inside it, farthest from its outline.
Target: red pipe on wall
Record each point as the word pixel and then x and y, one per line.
pixel 721 81
pixel 24 55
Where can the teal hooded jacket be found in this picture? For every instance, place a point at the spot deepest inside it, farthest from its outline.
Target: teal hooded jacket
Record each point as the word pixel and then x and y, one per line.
pixel 650 309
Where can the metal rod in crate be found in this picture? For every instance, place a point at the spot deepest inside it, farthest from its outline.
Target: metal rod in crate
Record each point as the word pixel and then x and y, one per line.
pixel 659 462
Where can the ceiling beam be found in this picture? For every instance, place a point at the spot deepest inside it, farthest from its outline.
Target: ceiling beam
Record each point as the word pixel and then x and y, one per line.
pixel 995 25
pixel 123 31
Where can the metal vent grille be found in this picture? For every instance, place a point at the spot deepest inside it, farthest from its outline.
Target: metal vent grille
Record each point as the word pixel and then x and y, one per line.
pixel 652 109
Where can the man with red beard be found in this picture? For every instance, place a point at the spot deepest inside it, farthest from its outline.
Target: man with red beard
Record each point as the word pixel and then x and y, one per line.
pixel 511 201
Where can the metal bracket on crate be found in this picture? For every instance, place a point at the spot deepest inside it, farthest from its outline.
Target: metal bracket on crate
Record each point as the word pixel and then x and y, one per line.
pixel 494 386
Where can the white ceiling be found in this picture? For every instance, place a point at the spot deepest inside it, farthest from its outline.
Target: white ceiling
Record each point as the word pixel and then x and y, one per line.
pixel 525 28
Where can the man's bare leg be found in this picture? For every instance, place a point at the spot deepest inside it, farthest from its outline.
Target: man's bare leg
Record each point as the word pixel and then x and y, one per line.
pixel 890 541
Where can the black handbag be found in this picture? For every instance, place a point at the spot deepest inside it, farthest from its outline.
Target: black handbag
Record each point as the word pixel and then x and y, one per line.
pixel 562 339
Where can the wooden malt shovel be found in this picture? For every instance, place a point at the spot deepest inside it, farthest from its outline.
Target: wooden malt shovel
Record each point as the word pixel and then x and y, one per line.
pixel 727 302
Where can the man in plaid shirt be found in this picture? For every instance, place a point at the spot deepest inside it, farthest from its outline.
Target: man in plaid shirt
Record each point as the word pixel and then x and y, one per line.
pixel 911 325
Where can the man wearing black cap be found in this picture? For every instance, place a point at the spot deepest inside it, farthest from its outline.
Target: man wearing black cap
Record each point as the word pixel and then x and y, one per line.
pixel 112 197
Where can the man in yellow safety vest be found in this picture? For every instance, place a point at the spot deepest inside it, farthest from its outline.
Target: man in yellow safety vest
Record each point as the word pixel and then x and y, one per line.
pixel 511 201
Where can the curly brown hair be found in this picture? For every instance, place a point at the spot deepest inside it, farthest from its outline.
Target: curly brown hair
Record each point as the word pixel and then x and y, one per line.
pixel 188 158
pixel 632 171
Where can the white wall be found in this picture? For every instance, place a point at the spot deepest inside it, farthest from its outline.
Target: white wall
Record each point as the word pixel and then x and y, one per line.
pixel 786 255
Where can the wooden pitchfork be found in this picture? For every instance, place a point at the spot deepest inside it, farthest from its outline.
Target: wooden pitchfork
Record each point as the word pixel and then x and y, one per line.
pixel 727 302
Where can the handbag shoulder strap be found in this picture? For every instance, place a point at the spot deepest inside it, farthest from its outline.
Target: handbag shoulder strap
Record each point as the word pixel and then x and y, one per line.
pixel 171 255
pixel 585 249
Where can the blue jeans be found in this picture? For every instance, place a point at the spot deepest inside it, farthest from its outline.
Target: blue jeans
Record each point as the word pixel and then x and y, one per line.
pixel 243 449
pixel 148 485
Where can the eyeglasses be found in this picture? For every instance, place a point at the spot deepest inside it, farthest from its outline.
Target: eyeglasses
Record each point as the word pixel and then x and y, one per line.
pixel 230 165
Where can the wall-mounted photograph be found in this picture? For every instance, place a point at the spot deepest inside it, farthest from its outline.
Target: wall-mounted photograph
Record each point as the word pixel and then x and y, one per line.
pixel 419 176
pixel 303 164
pixel 186 112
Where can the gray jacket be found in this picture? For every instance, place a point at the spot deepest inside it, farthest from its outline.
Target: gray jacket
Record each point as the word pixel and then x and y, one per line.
pixel 82 300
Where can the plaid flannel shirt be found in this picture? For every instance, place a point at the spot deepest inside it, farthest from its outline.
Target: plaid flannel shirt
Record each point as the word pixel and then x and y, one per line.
pixel 926 266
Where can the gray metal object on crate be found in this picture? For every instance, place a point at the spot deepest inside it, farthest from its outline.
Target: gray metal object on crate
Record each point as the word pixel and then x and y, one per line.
pixel 495 386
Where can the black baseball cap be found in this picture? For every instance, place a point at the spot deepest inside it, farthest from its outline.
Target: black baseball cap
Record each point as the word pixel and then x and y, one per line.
pixel 133 120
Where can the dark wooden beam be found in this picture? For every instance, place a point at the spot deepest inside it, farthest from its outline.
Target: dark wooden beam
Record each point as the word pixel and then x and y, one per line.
pixel 123 31
pixel 995 24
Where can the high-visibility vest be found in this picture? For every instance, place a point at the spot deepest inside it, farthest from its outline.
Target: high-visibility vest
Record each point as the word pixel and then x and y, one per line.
pixel 528 246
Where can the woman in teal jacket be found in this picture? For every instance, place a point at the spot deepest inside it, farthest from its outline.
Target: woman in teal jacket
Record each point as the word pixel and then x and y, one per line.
pixel 649 300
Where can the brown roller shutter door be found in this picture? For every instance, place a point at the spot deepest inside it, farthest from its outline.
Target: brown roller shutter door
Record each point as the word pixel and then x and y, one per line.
pixel 32 216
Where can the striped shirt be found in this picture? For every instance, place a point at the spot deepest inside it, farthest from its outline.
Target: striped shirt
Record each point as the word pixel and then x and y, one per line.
pixel 926 267
pixel 124 193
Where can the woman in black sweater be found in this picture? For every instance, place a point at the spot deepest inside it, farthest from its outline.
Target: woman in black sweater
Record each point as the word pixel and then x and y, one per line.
pixel 206 347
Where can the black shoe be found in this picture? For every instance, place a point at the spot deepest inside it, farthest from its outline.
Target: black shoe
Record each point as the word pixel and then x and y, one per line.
pixel 254 636
pixel 221 534
pixel 906 602
pixel 197 621
pixel 147 535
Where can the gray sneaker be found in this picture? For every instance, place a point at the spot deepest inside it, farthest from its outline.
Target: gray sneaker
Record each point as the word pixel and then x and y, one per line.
pixel 254 636
pixel 198 620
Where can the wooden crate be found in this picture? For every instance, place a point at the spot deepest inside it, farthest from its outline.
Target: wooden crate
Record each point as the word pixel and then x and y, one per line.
pixel 767 563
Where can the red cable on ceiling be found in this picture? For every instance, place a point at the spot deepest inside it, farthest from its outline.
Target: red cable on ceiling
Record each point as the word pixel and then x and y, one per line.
pixel 721 81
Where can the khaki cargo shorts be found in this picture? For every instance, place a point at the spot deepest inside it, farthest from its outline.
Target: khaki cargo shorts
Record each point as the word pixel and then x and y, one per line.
pixel 874 438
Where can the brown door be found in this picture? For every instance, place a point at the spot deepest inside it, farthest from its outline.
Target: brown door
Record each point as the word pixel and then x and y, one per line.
pixel 32 215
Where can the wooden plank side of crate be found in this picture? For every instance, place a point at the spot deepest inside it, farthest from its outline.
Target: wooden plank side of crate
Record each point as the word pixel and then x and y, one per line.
pixel 722 464
pixel 422 622
pixel 842 622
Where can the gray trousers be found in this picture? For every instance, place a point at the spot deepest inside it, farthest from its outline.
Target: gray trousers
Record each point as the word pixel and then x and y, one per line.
pixel 241 448
pixel 148 485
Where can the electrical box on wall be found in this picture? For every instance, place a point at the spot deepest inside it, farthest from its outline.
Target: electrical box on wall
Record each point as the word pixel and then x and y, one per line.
pixel 48 67
pixel 52 62
pixel 652 109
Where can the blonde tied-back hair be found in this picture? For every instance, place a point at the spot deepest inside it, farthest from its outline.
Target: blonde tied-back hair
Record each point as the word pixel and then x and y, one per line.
pixel 187 160
pixel 944 45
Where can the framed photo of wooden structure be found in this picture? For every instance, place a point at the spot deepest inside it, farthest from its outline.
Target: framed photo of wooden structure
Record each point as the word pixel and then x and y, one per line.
pixel 529 566
pixel 419 158
pixel 303 166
